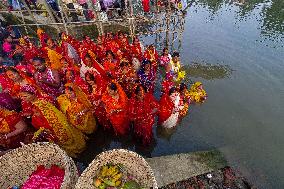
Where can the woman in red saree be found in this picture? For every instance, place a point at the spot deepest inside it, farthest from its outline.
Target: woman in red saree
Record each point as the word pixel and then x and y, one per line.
pixel 146 5
pixel 12 127
pixel 127 77
pixel 100 49
pixel 72 77
pixel 29 49
pixel 42 37
pixel 111 43
pixel 170 106
pixel 116 103
pixel 152 55
pixel 89 44
pixel 142 109
pixel 110 63
pixel 18 80
pixel 122 42
pixel 96 88
pixel 137 49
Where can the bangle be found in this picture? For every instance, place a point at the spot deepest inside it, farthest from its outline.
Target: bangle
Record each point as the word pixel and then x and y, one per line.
pixel 6 137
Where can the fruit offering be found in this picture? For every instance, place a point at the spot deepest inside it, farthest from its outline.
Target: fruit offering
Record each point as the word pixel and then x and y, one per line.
pixel 114 177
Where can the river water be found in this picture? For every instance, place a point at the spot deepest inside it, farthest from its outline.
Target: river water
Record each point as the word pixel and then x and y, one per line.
pixel 237 51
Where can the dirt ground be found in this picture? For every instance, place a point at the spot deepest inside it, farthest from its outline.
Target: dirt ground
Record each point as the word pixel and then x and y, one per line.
pixel 225 178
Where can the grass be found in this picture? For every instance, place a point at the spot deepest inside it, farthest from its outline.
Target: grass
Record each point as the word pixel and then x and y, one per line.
pixel 213 159
pixel 207 71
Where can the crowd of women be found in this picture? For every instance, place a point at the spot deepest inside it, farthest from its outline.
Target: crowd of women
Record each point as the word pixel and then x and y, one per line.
pixel 61 91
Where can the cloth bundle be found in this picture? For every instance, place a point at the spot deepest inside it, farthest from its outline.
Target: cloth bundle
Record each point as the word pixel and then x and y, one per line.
pixel 45 178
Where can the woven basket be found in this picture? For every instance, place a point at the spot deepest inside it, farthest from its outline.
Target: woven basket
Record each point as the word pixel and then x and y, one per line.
pixel 134 164
pixel 17 165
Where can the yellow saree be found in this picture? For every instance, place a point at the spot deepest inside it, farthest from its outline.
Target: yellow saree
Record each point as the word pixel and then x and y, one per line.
pixel 77 111
pixel 69 138
pixel 54 59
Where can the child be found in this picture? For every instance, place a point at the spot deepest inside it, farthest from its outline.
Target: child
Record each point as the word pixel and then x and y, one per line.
pixel 176 67
pixel 7 45
pixel 165 58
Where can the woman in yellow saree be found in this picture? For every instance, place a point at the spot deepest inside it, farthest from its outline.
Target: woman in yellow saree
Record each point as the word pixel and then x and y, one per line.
pixel 197 93
pixel 77 108
pixel 46 116
pixel 54 55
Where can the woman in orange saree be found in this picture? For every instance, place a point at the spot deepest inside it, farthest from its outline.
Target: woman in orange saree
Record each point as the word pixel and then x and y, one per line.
pixel 116 104
pixel 46 116
pixel 77 108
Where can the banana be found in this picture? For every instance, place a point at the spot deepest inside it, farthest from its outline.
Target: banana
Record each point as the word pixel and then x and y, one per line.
pixel 117 177
pixel 117 183
pixel 115 172
pixel 111 171
pixel 104 171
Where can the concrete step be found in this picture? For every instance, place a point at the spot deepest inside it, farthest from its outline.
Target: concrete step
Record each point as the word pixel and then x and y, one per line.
pixel 178 167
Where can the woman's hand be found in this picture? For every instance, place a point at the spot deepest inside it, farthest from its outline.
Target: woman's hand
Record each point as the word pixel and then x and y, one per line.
pixel 155 110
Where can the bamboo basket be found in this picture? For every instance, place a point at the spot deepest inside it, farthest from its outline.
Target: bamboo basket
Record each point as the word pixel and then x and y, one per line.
pixel 17 165
pixel 134 164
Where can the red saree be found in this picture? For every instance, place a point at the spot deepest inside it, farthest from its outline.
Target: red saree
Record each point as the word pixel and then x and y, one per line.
pixel 166 107
pixel 7 125
pixel 143 117
pixel 137 51
pixel 146 5
pixel 117 111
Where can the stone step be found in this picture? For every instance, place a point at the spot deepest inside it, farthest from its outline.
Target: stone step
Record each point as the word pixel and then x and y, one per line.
pixel 178 167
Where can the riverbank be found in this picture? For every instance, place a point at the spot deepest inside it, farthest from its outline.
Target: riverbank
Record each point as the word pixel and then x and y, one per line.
pixel 205 169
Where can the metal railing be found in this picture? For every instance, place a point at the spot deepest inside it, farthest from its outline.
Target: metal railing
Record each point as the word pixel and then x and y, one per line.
pixel 163 20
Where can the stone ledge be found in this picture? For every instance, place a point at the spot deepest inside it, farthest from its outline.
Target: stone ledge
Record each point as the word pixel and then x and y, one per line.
pixel 178 167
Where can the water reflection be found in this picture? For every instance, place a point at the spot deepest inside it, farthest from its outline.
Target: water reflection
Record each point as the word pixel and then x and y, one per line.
pixel 273 22
pixel 212 5
pixel 207 71
pixel 271 14
pixel 103 140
